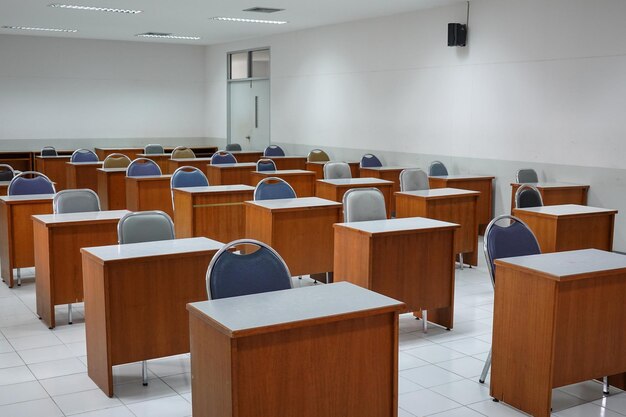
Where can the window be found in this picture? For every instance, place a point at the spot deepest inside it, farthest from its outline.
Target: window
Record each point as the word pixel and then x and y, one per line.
pixel 249 64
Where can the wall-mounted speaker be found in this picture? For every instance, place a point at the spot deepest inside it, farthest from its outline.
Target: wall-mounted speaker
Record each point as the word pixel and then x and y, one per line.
pixel 457 34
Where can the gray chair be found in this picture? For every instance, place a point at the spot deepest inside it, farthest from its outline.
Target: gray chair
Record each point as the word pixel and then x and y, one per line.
pixel 437 169
pixel 153 149
pixel 413 179
pixel 233 147
pixel 49 151
pixel 527 175
pixel 363 204
pixel 6 172
pixel 528 196
pixel 337 170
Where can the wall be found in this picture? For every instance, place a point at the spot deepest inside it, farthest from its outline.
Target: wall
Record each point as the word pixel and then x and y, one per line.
pixel 542 84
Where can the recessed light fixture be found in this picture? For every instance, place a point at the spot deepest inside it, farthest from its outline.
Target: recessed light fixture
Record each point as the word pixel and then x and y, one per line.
pixel 40 29
pixel 241 20
pixel 166 36
pixel 94 9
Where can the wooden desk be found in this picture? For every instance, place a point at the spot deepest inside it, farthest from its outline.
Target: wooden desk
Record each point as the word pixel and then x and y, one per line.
pixel 4 186
pixel 288 162
pixel 481 183
pixel 247 156
pixel 129 152
pixel 302 182
pixel 199 151
pixel 162 159
pixel 318 168
pixel 112 188
pixel 16 231
pixel 299 229
pixel 135 297
pixel 389 173
pixel 335 189
pixel 19 160
pixel 58 240
pixel 216 212
pixel 230 174
pixel 174 163
pixel 574 328
pixel 409 259
pixel 82 175
pixel 570 226
pixel 149 193
pixel 351 332
pixel 55 168
pixel 554 193
pixel 449 205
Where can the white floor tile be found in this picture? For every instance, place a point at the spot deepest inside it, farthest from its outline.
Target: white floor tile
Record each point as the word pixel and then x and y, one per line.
pixel 615 402
pixel 406 361
pixel 464 391
pixel 108 412
pixel 425 402
pixel 430 376
pixel 128 373
pixel 490 408
pixel 25 391
pixel 469 346
pixel 5 346
pixel 588 410
pixel 172 365
pixel 34 342
pixel 10 359
pixel 562 400
pixel 175 406
pixel 467 366
pixel 61 367
pixel 134 392
pixel 68 384
pixel 46 354
pixel 81 402
pixel 180 383
pixel 37 408
pixel 434 353
pixel 588 390
pixel 458 412
pixel 15 375
pixel 405 385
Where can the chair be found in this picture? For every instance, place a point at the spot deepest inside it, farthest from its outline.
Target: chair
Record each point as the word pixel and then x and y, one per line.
pixel 182 152
pixel 318 155
pixel 232 147
pixel 30 182
pixel 528 196
pixel 437 169
pixel 49 151
pixel 6 172
pixel 116 160
pixel 75 201
pixel 142 167
pixel 145 226
pixel 527 175
pixel 413 179
pixel 233 274
pixel 223 157
pixel 153 149
pixel 188 177
pixel 370 161
pixel 336 170
pixel 363 204
pixel 265 165
pixel 273 188
pixel 273 150
pixel 514 239
pixel 84 155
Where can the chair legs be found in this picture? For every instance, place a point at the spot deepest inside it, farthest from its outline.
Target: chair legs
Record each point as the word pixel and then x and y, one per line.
pixel 605 385
pixel 425 321
pixel 461 261
pixel 19 277
pixel 144 373
pixel 69 314
pixel 483 375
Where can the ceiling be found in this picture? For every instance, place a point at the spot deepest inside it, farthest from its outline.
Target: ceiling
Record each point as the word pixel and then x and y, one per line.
pixel 191 17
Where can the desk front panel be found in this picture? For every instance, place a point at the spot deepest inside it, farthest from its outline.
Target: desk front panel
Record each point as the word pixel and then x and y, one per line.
pixel 392 175
pixel 229 175
pixel 129 152
pixel 82 176
pixel 553 196
pixel 484 186
pixel 153 194
pixel 292 162
pixel 303 183
pixel 55 169
pixel 112 190
pixel 174 164
pixel 248 156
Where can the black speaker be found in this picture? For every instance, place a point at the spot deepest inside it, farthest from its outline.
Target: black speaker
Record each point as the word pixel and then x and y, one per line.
pixel 457 34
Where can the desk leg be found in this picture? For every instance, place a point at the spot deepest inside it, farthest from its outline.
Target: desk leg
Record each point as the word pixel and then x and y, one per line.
pixel 444 316
pixel 6 264
pixel 471 258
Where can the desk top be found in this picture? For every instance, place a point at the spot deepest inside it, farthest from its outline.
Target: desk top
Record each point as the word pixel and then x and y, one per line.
pixel 111 169
pixel 356 181
pixel 293 203
pixel 562 210
pixel 237 165
pixel 286 157
pixel 54 157
pixel 129 148
pixel 286 309
pixel 86 164
pixel 67 219
pixel 463 177
pixel 207 159
pixel 388 168
pixel 325 162
pixel 391 226
pixel 176 247
pixel 151 178
pixel 436 193
pixel 244 152
pixel 569 265
pixel 552 184
pixel 17 199
pixel 285 172
pixel 215 189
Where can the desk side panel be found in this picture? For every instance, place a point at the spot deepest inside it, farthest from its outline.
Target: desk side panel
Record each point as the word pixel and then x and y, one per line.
pixel 584 232
pixel 544 229
pixel 43 283
pixel 6 250
pixel 155 195
pixel 220 216
pixel 352 257
pixel 22 236
pixel 183 214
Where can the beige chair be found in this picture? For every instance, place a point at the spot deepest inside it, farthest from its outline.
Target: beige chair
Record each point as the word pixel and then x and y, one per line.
pixel 182 152
pixel 116 160
pixel 318 155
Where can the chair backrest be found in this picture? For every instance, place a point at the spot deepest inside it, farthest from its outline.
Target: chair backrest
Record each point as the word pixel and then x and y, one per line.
pixel 233 147
pixel 437 169
pixel 116 160
pixel 336 170
pixel 49 151
pixel 188 177
pixel 75 201
pixel 527 196
pixel 527 175
pixel 273 150
pixel 143 167
pixel 182 152
pixel 265 165
pixel 6 172
pixel 363 204
pixel 273 188
pixel 30 182
pixel 370 161
pixel 232 273
pixel 223 157
pixel 84 155
pixel 153 148
pixel 318 155
pixel 413 179
pixel 514 239
pixel 145 226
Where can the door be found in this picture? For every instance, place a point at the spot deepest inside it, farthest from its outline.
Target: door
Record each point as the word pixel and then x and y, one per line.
pixel 249 114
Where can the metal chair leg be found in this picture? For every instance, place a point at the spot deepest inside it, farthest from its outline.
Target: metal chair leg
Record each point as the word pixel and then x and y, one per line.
pixel 144 373
pixel 483 375
pixel 605 385
pixel 69 314
pixel 461 261
pixel 425 321
pixel 19 277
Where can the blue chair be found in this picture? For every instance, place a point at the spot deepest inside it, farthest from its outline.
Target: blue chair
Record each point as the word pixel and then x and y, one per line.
pixel 273 150
pixel 143 167
pixel 265 165
pixel 273 188
pixel 188 177
pixel 437 169
pixel 6 172
pixel 528 196
pixel 370 161
pixel 527 175
pixel 231 147
pixel 153 149
pixel 23 184
pixel 233 274
pixel 509 240
pixel 223 157
pixel 49 151
pixel 84 155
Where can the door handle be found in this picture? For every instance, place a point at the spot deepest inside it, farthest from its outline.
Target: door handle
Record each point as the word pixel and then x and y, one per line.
pixel 248 137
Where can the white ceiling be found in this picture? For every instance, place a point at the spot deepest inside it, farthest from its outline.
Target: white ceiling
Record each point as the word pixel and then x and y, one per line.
pixel 191 17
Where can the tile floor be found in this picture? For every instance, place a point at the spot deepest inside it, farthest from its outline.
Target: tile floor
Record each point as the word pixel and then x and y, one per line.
pixel 43 372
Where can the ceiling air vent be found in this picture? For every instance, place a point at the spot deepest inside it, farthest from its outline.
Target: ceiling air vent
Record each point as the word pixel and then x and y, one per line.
pixel 263 10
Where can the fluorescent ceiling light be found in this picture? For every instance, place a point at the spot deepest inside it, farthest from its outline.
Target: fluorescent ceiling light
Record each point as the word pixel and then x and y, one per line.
pixel 40 29
pixel 241 20
pixel 167 36
pixel 95 9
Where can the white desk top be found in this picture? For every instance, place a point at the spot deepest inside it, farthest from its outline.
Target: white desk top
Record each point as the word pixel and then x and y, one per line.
pixel 28 197
pixel 113 253
pixel 207 159
pixel 130 148
pixel 325 162
pixel 237 165
pixel 237 316
pixel 388 168
pixel 292 203
pixel 552 184
pixel 156 155
pixel 111 169
pixel 285 172
pixel 244 152
pixel 397 225
pixel 54 157
pixel 566 210
pixel 286 157
pixel 463 177
pixel 356 181
pixel 151 177
pixel 440 192
pixel 215 189
pixel 93 216
pixel 570 264
pixel 94 163
pixel 5 183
